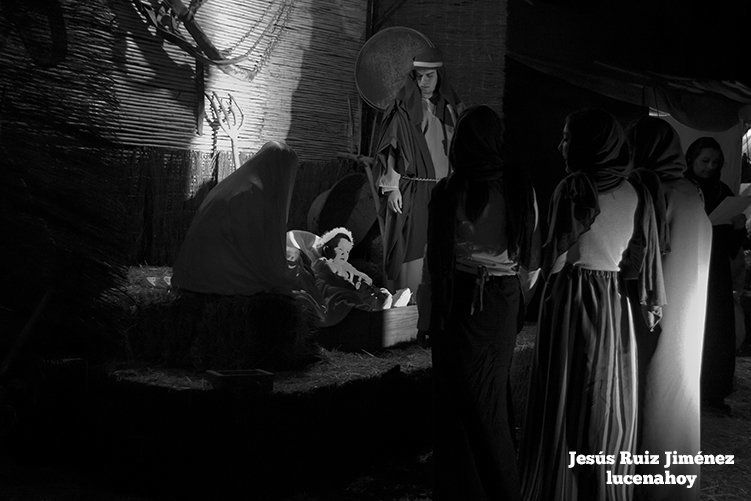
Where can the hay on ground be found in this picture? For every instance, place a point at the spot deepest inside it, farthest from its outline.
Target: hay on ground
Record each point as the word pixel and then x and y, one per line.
pixel 201 331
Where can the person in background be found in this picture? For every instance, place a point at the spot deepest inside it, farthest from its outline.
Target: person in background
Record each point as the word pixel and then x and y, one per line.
pixel 705 161
pixel 738 273
pixel 482 246
pixel 745 301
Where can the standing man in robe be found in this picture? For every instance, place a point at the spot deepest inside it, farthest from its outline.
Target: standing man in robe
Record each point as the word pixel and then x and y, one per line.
pixel 412 156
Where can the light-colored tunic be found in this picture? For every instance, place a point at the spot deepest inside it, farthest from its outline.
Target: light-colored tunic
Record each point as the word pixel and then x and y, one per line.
pixel 601 248
pixel 432 129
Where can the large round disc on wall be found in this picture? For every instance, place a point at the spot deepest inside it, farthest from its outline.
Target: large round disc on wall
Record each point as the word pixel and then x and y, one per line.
pixel 384 61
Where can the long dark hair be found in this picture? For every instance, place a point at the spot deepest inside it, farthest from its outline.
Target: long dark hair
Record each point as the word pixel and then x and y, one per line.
pixel 476 155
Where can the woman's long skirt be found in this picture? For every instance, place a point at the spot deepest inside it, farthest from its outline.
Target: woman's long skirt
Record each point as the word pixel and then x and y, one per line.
pixel 583 390
pixel 474 450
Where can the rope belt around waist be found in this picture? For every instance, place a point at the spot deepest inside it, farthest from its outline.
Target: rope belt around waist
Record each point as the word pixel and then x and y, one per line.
pixel 422 179
pixel 481 276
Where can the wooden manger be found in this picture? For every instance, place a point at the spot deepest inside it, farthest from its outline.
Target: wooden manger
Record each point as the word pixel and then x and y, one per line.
pixel 157 325
pixel 371 330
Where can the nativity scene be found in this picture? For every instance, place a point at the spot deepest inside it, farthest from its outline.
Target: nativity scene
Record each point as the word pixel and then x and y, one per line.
pixel 321 249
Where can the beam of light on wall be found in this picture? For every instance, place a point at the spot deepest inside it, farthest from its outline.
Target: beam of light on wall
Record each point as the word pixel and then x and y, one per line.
pixel 304 51
pixel 246 27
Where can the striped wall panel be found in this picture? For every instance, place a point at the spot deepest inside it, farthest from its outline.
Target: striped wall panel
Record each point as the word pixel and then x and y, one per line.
pixel 121 78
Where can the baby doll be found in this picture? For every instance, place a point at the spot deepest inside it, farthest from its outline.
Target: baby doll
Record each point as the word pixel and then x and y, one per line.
pixel 333 269
pixel 335 246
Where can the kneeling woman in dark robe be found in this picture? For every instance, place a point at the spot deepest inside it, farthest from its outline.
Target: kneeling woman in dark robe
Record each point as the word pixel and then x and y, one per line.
pixel 481 241
pixel 236 241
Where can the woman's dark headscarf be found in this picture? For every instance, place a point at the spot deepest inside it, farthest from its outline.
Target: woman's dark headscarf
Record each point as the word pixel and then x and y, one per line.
pixel 657 157
pixel 713 189
pixel 477 158
pixel 597 160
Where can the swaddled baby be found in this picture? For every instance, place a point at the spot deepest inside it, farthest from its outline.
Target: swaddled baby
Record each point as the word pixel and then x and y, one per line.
pixel 335 270
pixel 335 248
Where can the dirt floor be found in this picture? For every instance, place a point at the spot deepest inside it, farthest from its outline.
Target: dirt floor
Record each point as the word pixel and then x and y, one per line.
pixel 332 368
pixel 409 478
pixel 730 435
pixel 405 478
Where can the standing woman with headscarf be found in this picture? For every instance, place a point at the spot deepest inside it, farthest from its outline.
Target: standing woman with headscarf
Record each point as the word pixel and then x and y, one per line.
pixel 582 394
pixel 482 258
pixel 705 160
pixel 412 156
pixel 671 412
